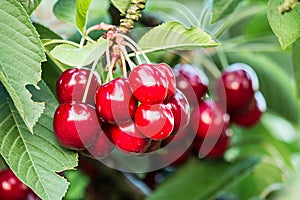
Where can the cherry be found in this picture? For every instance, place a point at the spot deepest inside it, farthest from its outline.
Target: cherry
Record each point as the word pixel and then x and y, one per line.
pixel 128 138
pixel 115 102
pixel 154 121
pixel 154 145
pixel 209 119
pixel 148 84
pixel 11 187
pixel 181 111
pixel 76 124
pixel 101 146
pixel 170 77
pixel 32 196
pixel 71 84
pixel 236 86
pixel 212 149
pixel 191 81
pixel 253 112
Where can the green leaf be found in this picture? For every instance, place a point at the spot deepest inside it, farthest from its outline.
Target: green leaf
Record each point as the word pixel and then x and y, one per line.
pixel 78 184
pixel 82 7
pixel 296 64
pixel 276 86
pixel 34 157
pixel 121 5
pixel 202 180
pixel 45 33
pixel 20 57
pixel 173 35
pixel 74 56
pixel 65 11
pixel 286 27
pixel 30 5
pixel 222 8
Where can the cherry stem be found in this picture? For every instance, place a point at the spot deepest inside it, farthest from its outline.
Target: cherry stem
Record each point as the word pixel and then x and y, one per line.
pixel 134 51
pixel 90 80
pixel 123 65
pixel 131 64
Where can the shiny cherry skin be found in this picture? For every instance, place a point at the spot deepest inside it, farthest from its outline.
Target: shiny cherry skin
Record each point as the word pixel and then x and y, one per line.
pixel 237 86
pixel 31 196
pixel 101 146
pixel 170 77
pixel 71 84
pixel 155 121
pixel 211 148
pixel 11 187
pixel 115 103
pixel 252 113
pixel 76 125
pixel 148 83
pixel 209 119
pixel 192 82
pixel 181 111
pixel 128 138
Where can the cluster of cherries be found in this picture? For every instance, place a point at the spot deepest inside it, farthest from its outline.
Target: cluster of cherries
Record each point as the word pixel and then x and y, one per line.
pixel 135 114
pixel 12 188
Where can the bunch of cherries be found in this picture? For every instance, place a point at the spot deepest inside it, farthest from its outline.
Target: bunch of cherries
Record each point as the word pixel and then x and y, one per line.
pixel 134 114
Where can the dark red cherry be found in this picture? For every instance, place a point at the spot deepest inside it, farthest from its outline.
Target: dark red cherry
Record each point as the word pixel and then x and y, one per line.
pixel 154 146
pixel 128 138
pixel 31 196
pixel 101 146
pixel 181 111
pixel 191 81
pixel 154 121
pixel 236 87
pixel 76 125
pixel 11 187
pixel 170 77
pixel 71 84
pixel 212 148
pixel 252 113
pixel 209 119
pixel 115 102
pixel 148 83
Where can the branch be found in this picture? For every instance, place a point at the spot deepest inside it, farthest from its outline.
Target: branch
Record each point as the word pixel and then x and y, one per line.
pixel 287 6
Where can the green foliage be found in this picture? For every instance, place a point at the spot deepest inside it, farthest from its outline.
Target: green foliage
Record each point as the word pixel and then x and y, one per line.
pixel 82 7
pixel 78 184
pixel 173 35
pixel 286 27
pixel 30 5
pixel 203 180
pixel 222 8
pixel 20 60
pixel 121 5
pixel 65 11
pixel 296 63
pixel 34 157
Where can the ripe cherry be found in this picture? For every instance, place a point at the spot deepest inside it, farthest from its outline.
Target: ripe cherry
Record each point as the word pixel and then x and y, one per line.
pixel 181 111
pixel 252 113
pixel 154 121
pixel 115 102
pixel 236 87
pixel 76 124
pixel 11 187
pixel 209 119
pixel 101 146
pixel 170 77
pixel 71 84
pixel 128 138
pixel 148 84
pixel 192 82
pixel 211 148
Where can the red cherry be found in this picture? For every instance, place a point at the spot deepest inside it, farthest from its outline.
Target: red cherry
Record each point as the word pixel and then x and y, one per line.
pixel 253 112
pixel 11 187
pixel 76 125
pixel 32 196
pixel 154 121
pixel 71 84
pixel 236 87
pixel 128 138
pixel 181 111
pixel 101 146
pixel 148 84
pixel 212 149
pixel 115 102
pixel 208 119
pixel 170 77
pixel 192 82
